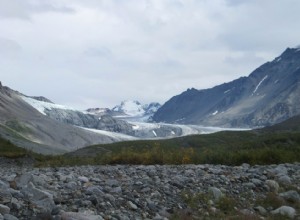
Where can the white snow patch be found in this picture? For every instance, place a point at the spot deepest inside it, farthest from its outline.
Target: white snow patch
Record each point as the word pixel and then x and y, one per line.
pixel 258 85
pixel 99 118
pixel 41 106
pixel 135 127
pixel 180 119
pixel 216 112
pixel 114 135
pixel 227 91
pixel 278 59
pixel 172 132
pixel 276 81
pixel 131 108
pixel 154 133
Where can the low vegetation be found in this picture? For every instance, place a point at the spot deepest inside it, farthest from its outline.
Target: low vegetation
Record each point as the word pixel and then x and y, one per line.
pixel 7 149
pixel 227 147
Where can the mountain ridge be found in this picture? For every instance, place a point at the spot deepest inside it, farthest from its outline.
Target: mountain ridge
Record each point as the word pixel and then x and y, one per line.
pixel 267 96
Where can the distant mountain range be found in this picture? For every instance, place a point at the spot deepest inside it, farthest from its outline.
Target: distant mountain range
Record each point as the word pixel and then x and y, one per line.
pixel 129 109
pixel 270 94
pixel 27 127
pixel 38 124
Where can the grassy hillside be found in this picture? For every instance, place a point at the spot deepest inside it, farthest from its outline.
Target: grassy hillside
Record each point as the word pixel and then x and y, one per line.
pixel 227 147
pixel 7 149
pixel 292 124
pixel 276 144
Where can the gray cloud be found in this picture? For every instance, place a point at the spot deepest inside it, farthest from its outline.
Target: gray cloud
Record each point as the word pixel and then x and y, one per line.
pixel 9 49
pixel 24 9
pixel 95 53
pixel 98 52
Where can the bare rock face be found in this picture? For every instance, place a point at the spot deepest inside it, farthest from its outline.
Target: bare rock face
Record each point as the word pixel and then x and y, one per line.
pixel 267 96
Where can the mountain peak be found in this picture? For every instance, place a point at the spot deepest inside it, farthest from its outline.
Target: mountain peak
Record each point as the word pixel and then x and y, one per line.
pixel 134 108
pixel 130 107
pixel 267 96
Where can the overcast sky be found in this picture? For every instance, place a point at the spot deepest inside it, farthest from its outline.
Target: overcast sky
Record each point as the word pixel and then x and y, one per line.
pixel 96 53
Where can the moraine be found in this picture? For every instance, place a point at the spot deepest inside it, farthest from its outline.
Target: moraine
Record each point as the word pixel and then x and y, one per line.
pixel 145 192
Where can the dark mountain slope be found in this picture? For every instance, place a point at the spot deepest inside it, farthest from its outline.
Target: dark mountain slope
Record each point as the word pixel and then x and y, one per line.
pixel 292 124
pixel 267 96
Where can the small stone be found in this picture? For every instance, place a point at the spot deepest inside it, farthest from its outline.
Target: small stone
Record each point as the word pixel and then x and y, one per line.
pixel 55 210
pixel 9 217
pixel 71 185
pixel 246 212
pixel 285 211
pixel 256 182
pixel 216 193
pixel 44 216
pixel 164 213
pixel 83 179
pixel 261 210
pixel 3 185
pixel 16 204
pixel 94 190
pixel 23 180
pixel 5 196
pixel 249 185
pixel 280 169
pixel 213 209
pixel 112 183
pixel 245 165
pixel 272 185
pixel 132 205
pixel 4 209
pixel 79 216
pixel 116 190
pixel 284 180
pixel 110 197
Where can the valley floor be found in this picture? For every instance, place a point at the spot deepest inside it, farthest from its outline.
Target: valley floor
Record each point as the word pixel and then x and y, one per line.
pixel 149 192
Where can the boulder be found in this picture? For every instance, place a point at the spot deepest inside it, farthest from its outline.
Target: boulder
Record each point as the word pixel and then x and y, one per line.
pixel 43 200
pixel 285 211
pixel 216 193
pixel 4 209
pixel 79 216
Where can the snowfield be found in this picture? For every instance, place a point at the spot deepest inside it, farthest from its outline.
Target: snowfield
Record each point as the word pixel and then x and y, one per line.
pixel 116 136
pixel 130 108
pixel 142 130
pixel 41 106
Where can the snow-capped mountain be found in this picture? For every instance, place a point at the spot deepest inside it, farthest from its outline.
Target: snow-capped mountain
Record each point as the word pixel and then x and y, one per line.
pixel 269 95
pixel 42 105
pixel 136 109
pixel 130 108
pixel 24 121
pixel 151 108
pixel 123 127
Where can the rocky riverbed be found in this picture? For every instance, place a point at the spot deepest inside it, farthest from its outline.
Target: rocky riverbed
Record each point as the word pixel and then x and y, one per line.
pixel 150 192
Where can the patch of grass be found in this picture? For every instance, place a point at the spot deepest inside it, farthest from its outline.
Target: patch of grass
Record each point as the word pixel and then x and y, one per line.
pixel 9 150
pixel 196 200
pixel 226 204
pixel 271 200
pixel 228 148
pixel 18 126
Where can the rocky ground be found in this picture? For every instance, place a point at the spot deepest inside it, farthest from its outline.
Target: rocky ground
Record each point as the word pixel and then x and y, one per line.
pixel 150 192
